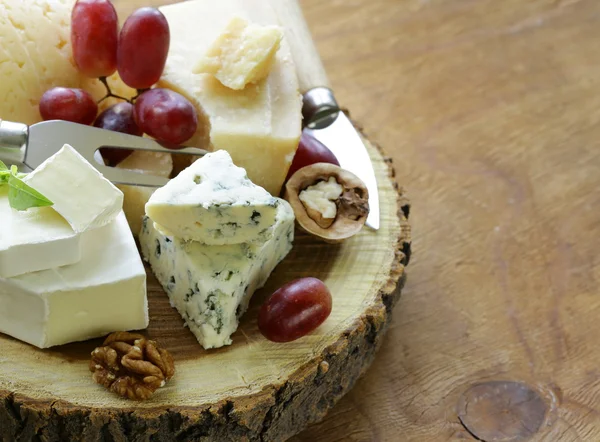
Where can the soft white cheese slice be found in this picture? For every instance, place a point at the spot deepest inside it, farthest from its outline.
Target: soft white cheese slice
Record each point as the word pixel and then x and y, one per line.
pixel 214 202
pixel 211 286
pixel 104 292
pixel 79 192
pixel 34 239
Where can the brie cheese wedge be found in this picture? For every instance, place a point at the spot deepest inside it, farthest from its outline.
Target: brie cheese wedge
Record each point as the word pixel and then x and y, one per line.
pixel 34 239
pixel 79 192
pixel 102 293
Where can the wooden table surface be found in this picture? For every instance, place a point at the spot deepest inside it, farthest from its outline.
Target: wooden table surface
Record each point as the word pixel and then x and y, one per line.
pixel 491 112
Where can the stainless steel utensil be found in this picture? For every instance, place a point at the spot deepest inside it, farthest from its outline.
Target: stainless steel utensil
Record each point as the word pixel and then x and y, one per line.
pixel 32 145
pixel 322 115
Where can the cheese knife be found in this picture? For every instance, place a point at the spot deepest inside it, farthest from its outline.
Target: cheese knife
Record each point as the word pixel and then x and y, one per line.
pixel 32 145
pixel 323 118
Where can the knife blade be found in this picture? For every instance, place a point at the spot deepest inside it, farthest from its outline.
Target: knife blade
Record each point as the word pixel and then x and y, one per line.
pixel 322 115
pixel 330 125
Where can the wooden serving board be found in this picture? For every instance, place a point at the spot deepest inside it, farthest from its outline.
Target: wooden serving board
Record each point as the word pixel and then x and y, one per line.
pixel 251 390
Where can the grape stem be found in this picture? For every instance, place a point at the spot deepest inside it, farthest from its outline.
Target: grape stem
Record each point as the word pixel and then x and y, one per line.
pixel 109 92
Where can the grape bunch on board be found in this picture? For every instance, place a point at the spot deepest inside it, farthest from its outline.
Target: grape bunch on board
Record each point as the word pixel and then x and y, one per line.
pixel 139 53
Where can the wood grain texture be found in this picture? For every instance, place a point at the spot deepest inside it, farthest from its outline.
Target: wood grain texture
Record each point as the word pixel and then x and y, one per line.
pixel 253 390
pixel 491 111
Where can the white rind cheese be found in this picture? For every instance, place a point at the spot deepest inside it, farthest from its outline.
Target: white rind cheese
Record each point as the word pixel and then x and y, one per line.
pixel 79 192
pixel 104 292
pixel 215 203
pixel 259 125
pixel 211 286
pixel 243 53
pixel 34 239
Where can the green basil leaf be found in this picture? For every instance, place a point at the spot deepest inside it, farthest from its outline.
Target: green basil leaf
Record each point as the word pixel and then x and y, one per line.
pixel 23 197
pixel 3 167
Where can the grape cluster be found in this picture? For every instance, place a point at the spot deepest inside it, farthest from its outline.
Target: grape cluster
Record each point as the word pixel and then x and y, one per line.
pixel 139 53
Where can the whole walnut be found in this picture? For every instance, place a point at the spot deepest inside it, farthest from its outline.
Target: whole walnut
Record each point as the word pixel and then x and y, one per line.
pixel 131 366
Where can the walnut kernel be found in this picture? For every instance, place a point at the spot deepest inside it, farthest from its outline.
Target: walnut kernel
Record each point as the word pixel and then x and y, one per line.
pixel 329 202
pixel 131 366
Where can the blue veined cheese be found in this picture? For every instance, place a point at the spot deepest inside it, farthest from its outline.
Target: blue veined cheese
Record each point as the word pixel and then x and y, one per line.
pixel 215 203
pixel 211 286
pixel 102 293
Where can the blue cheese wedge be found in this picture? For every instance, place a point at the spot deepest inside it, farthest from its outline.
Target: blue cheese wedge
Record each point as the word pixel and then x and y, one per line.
pixel 214 202
pixel 34 239
pixel 102 293
pixel 210 285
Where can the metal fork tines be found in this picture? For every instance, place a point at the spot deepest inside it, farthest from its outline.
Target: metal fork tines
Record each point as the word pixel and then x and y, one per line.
pixel 40 141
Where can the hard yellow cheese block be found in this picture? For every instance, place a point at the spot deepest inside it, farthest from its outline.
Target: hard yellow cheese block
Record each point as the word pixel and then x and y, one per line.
pixel 136 197
pixel 244 53
pixel 35 55
pixel 259 125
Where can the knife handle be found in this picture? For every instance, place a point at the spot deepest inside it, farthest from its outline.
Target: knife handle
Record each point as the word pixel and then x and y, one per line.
pixel 311 73
pixel 13 141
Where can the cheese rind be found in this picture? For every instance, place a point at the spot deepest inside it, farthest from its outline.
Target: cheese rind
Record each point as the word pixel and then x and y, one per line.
pixel 244 53
pixel 211 286
pixel 79 192
pixel 259 125
pixel 214 202
pixel 34 239
pixel 104 292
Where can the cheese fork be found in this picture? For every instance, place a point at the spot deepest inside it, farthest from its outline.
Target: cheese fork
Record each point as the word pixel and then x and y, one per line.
pixel 32 145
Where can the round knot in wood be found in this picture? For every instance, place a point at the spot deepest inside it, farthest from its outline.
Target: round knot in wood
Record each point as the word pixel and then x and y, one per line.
pixel 131 366
pixel 501 411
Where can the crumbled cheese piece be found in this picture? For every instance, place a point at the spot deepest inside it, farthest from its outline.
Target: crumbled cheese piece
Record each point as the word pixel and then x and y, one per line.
pixel 244 53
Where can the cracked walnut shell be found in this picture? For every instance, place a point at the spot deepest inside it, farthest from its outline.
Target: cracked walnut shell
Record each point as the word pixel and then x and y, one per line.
pixel 131 366
pixel 329 202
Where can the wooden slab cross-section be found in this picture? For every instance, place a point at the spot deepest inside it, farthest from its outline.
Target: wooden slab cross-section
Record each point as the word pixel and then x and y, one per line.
pixel 251 390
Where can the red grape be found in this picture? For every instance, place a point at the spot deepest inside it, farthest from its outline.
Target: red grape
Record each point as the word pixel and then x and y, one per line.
pixel 118 118
pixel 61 103
pixel 166 116
pixel 295 310
pixel 310 151
pixel 143 48
pixel 94 34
